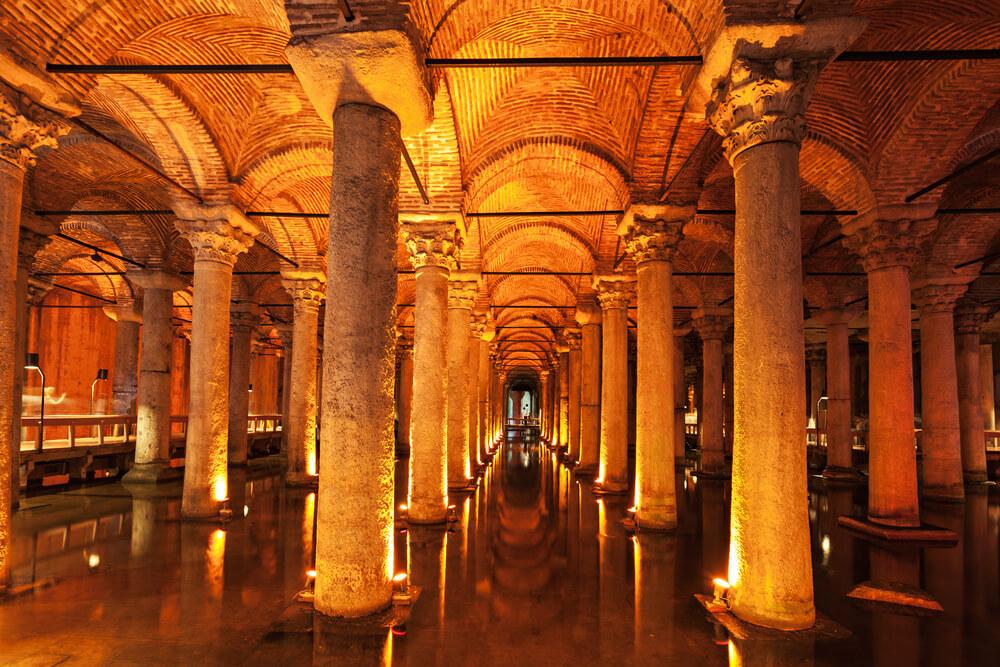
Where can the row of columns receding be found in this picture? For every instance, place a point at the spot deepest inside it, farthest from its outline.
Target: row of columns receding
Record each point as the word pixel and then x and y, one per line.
pixel 757 101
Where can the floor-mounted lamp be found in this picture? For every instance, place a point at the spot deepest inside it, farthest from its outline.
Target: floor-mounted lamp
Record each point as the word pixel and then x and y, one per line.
pixel 31 363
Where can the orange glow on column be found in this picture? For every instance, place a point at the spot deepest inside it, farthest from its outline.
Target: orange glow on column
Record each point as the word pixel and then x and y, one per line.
pixel 311 460
pixel 215 558
pixel 220 488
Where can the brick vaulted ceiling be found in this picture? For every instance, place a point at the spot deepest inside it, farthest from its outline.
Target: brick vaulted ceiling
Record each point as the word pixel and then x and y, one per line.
pixel 503 139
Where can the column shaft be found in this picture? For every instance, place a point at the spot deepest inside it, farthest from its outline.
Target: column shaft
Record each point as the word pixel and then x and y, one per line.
pixel 459 470
pixel 769 562
pixel 302 463
pixel 484 399
pixel 892 465
pixel 970 407
pixel 152 438
pixel 239 394
pixel 986 384
pixel 205 458
pixel 564 372
pixel 713 455
pixel 940 438
pixel 655 495
pixel 613 473
pixel 839 441
pixel 354 533
pixel 404 410
pixel 125 380
pixel 575 367
pixel 590 398
pixel 11 186
pixel 680 401
pixel 472 396
pixel 429 429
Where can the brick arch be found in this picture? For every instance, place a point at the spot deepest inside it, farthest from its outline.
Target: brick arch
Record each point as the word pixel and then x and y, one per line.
pixel 522 244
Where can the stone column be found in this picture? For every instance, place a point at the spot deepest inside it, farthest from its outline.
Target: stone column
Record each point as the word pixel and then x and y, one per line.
pixel 757 98
pixel 472 392
pixel 125 376
pixel 485 386
pixel 680 398
pixel 986 385
pixel 588 316
pixel 563 349
pixel 574 339
pixel 243 321
pixel 307 289
pixel 651 233
pixel 285 334
pixel 940 438
pixel 839 439
pixel 711 326
pixel 404 408
pixel 546 379
pixel 886 239
pixel 431 243
pixel 33 236
pixel 218 234
pixel 816 360
pixel 462 291
pixel 614 294
pixel 20 136
pixel 344 71
pixel 968 319
pixel 152 436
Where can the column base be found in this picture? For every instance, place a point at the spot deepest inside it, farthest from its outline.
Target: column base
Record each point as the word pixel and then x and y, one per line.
pixel 975 477
pixel 301 480
pixel 950 494
pixel 151 473
pixel 923 534
pixel 713 474
pixel 608 489
pixel 680 462
pixel 880 593
pixel 221 515
pixel 466 486
pixel 238 464
pixel 652 524
pixel 841 474
pixel 585 470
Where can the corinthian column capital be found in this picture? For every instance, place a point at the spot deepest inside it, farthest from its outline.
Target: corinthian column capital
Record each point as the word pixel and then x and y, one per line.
pixel 889 235
pixel 614 291
pixel 651 232
pixel 463 288
pixel 938 297
pixel 22 132
pixel 216 233
pixel 757 79
pixel 433 240
pixel 307 289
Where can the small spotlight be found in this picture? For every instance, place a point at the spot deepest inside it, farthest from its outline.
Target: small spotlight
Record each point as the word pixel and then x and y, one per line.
pixel 401 589
pixel 246 510
pixel 452 514
pixel 93 561
pixel 311 574
pixel 720 591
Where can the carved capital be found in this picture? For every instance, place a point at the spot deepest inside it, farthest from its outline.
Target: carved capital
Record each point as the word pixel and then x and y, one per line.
pixel 22 132
pixel 157 279
pixel 816 355
pixel 711 324
pixel 651 232
pixel 883 242
pixel 37 291
pixel 216 233
pixel 762 101
pixel 970 317
pixel 307 289
pixel 587 312
pixel 614 291
pixel 938 298
pixel 433 240
pixel 462 291
pixel 478 326
pixel 29 244
pixel 243 317
pixel 285 335
pixel 574 339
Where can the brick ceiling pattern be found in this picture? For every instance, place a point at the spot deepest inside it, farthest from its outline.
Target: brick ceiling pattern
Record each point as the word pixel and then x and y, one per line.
pixel 503 139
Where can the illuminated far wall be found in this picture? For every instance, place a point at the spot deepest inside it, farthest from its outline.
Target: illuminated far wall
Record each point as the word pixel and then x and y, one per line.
pixel 72 343
pixel 265 370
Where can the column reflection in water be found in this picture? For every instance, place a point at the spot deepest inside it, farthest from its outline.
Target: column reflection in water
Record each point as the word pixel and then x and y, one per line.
pixel 714 528
pixel 895 636
pixel 358 646
pixel 427 547
pixel 202 579
pixel 798 652
pixel 588 584
pixel 942 578
pixel 655 561
pixel 615 556
pixel 980 540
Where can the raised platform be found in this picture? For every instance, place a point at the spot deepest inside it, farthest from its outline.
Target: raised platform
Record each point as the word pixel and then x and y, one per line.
pixel 926 534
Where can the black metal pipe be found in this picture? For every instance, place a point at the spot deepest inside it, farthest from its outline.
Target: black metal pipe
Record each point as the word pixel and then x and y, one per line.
pixel 542 214
pixel 95 248
pixel 958 172
pixel 78 273
pixel 917 54
pixel 413 174
pixel 222 68
pixel 564 61
pixel 83 293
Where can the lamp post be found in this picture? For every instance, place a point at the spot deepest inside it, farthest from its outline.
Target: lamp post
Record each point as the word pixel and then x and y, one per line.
pixel 31 363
